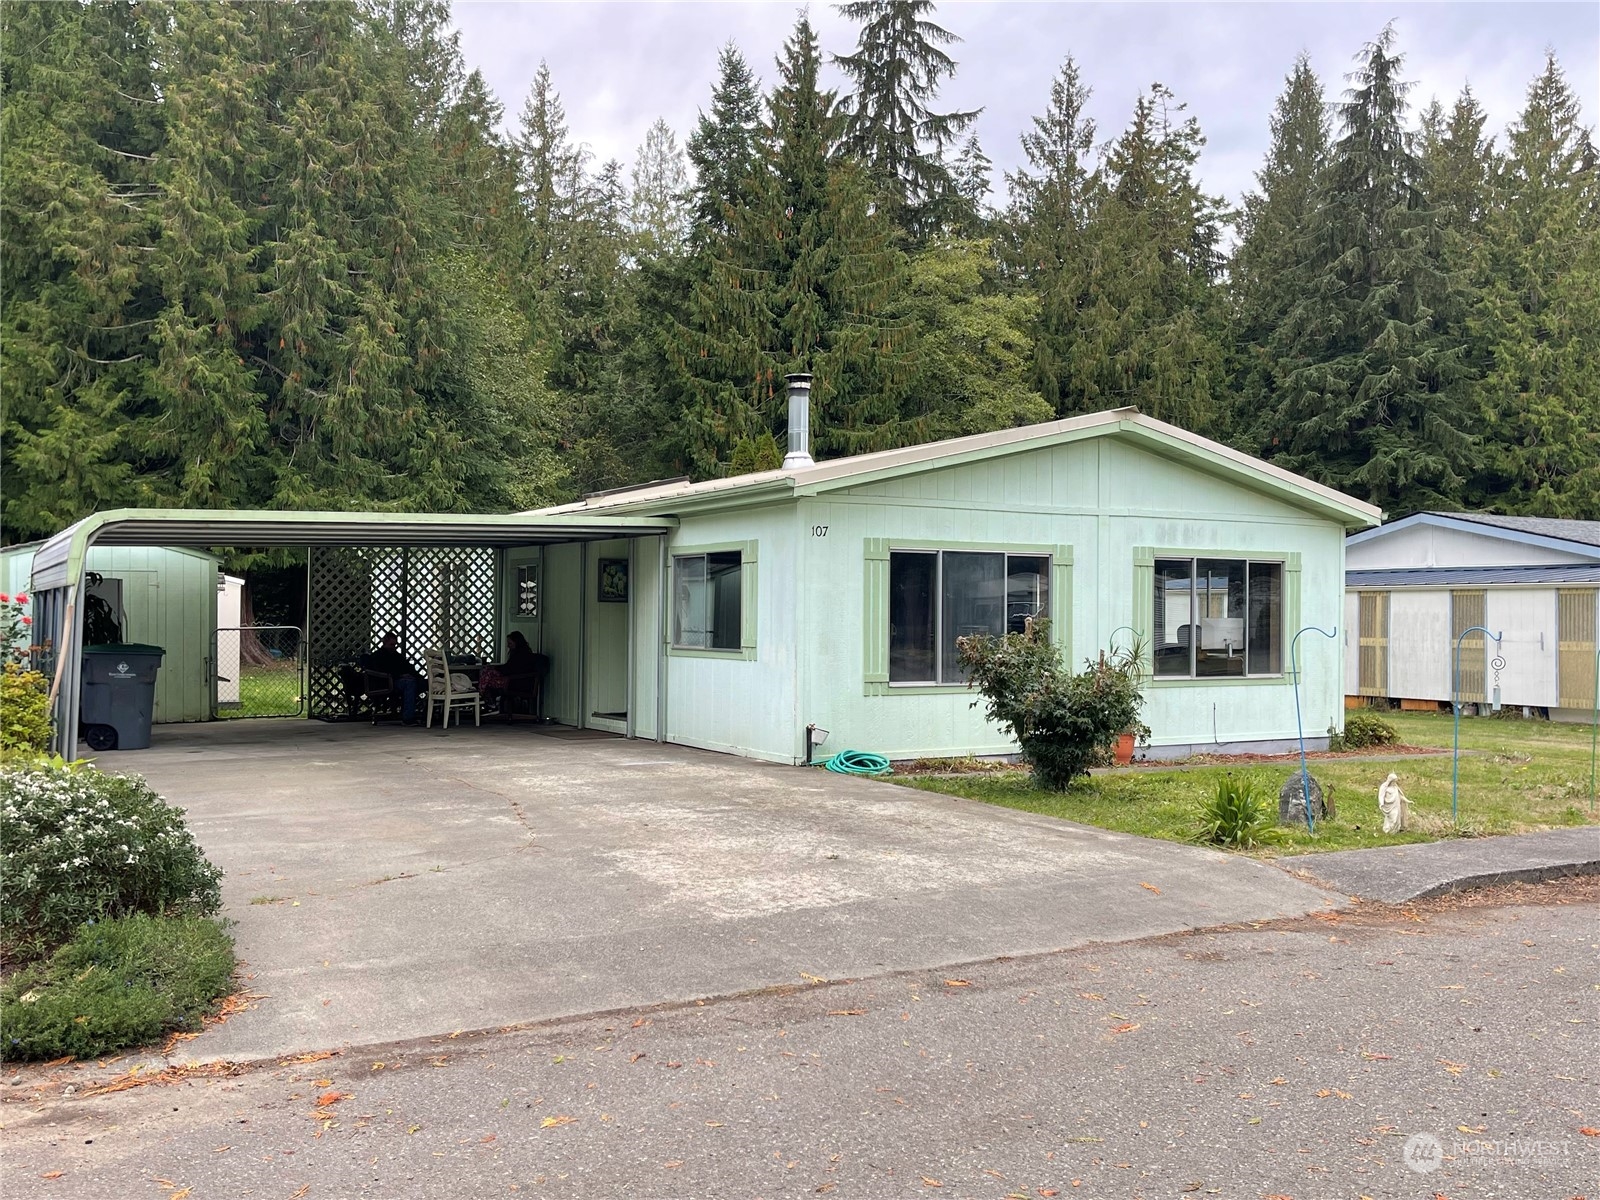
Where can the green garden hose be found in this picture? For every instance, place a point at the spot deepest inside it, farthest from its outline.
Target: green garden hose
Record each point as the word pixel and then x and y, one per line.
pixel 857 762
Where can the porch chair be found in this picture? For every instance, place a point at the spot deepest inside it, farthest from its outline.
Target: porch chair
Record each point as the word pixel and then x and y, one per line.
pixel 451 697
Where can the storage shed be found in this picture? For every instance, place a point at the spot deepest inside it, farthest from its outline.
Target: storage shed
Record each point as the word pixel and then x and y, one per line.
pixel 164 596
pixel 1414 586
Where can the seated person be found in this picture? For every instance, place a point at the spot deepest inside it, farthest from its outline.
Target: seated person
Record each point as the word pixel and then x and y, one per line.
pixel 521 665
pixel 388 660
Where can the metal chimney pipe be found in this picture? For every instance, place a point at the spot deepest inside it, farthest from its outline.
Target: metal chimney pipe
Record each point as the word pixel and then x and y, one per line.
pixel 799 423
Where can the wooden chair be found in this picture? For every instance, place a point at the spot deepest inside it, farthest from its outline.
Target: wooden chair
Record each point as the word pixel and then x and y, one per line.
pixel 448 696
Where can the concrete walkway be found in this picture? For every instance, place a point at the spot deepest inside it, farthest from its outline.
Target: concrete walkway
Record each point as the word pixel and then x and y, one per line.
pixel 1397 874
pixel 392 883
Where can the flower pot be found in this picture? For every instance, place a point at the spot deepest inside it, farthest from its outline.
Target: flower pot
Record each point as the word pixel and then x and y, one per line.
pixel 1124 750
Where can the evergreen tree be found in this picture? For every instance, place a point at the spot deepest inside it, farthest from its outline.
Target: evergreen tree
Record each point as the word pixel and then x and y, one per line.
pixel 971 213
pixel 1371 390
pixel 802 283
pixel 724 145
pixel 1538 314
pixel 896 71
pixel 660 194
pixel 1268 273
pixel 1048 228
pixel 80 121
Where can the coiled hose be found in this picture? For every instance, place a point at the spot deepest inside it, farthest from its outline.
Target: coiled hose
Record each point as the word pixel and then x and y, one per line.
pixel 857 762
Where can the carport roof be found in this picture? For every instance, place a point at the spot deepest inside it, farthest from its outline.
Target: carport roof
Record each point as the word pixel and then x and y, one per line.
pixel 60 560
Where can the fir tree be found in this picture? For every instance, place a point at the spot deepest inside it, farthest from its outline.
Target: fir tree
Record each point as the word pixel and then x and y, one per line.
pixel 1539 313
pixel 660 217
pixel 1370 389
pixel 724 145
pixel 1047 228
pixel 896 71
pixel 802 283
pixel 1268 275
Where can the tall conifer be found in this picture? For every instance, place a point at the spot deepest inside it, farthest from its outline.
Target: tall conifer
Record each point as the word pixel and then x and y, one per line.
pixel 1370 388
pixel 1539 313
pixel 895 72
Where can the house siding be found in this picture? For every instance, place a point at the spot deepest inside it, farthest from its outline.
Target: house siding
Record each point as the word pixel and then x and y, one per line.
pixel 1102 500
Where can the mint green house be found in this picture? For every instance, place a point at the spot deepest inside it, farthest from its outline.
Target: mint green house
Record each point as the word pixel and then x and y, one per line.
pixel 749 614
pixel 830 595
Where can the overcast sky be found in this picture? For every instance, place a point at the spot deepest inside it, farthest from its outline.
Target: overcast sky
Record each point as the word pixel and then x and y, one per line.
pixel 618 66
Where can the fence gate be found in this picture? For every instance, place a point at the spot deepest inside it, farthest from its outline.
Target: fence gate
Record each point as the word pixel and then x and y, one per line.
pixel 260 671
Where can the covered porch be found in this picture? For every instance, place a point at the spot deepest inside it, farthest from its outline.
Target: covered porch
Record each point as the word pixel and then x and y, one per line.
pixel 584 592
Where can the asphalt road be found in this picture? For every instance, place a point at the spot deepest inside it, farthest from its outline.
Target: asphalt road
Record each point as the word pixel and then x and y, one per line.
pixel 1294 1059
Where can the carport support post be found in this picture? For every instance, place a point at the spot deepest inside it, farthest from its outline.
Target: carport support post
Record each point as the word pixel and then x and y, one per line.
pixel 1299 725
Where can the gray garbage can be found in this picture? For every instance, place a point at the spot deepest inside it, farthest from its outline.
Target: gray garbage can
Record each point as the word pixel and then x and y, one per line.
pixel 119 695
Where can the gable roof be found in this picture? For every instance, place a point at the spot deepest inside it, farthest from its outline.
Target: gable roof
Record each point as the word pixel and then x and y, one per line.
pixel 1574 537
pixel 1158 437
pixel 1585 533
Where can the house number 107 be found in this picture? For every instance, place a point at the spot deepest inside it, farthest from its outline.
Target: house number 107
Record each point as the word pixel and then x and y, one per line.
pixel 819 531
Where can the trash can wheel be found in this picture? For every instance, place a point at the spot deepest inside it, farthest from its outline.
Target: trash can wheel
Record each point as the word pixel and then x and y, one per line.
pixel 100 737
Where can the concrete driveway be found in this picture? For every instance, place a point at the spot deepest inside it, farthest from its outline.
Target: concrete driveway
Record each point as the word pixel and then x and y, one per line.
pixel 391 883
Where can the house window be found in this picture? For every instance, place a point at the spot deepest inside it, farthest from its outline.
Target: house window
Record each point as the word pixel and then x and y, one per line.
pixel 1217 618
pixel 528 591
pixel 939 596
pixel 707 609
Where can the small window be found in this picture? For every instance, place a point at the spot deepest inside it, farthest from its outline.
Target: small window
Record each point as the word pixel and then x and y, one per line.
pixel 528 591
pixel 708 601
pixel 937 597
pixel 1217 618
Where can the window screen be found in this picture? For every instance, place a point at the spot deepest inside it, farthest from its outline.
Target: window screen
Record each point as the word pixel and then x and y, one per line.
pixel 1217 618
pixel 937 597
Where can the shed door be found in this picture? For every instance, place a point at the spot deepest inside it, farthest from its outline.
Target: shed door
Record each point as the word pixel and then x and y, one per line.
pixel 1575 629
pixel 1466 611
pixel 1373 677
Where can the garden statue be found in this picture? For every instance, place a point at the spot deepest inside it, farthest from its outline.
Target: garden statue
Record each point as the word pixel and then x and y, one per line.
pixel 1392 804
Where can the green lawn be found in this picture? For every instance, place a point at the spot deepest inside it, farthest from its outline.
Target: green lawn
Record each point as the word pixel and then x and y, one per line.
pixel 1525 775
pixel 267 692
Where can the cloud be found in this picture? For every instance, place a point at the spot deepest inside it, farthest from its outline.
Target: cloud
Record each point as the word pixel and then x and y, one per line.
pixel 618 66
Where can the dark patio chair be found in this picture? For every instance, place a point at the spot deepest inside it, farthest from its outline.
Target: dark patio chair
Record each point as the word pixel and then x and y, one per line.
pixel 525 690
pixel 370 693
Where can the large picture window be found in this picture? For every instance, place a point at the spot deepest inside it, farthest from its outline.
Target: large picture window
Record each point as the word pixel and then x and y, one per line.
pixel 938 596
pixel 707 603
pixel 1217 618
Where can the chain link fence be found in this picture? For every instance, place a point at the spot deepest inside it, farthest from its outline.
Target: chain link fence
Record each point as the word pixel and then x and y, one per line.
pixel 260 671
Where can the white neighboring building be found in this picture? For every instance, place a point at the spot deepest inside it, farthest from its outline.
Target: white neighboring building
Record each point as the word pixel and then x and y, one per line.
pixel 1413 586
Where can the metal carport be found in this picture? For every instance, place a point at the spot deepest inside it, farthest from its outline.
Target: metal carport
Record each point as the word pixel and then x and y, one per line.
pixel 60 563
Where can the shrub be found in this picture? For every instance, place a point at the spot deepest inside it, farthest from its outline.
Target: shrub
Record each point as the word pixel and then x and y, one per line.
pixel 78 844
pixel 16 629
pixel 122 982
pixel 1363 728
pixel 24 712
pixel 1063 723
pixel 1236 815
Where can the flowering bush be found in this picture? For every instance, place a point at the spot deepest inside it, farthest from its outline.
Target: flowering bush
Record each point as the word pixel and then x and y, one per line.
pixel 24 712
pixel 16 629
pixel 77 845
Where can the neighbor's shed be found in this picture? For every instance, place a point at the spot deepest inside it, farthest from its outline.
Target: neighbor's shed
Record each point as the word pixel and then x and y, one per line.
pixel 1414 587
pixel 166 597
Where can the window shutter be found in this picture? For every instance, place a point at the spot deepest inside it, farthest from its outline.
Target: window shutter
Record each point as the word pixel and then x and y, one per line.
pixel 1575 634
pixel 875 614
pixel 749 595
